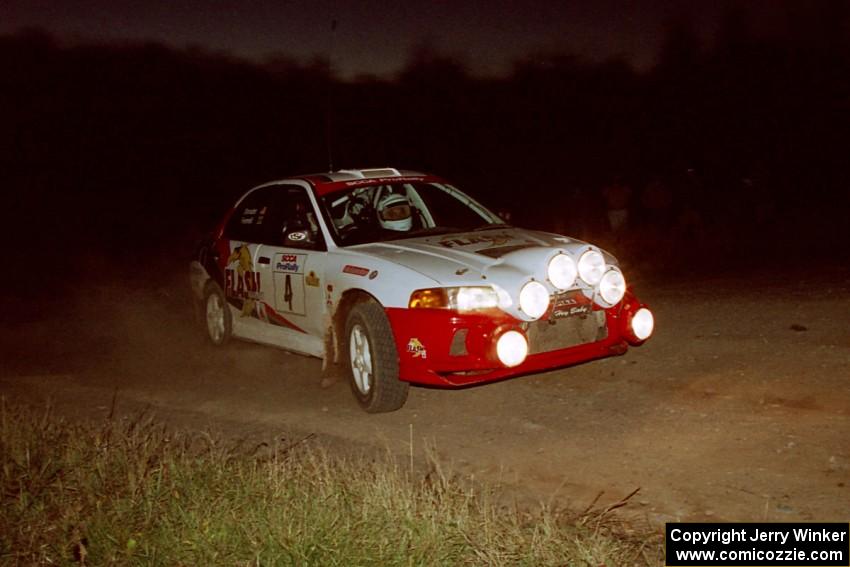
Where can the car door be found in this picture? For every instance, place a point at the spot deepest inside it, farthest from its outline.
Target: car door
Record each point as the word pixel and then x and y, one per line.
pixel 237 257
pixel 290 263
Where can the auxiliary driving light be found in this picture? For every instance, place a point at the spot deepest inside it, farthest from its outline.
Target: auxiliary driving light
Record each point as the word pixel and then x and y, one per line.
pixel 512 348
pixel 612 287
pixel 591 267
pixel 562 271
pixel 534 299
pixel 643 323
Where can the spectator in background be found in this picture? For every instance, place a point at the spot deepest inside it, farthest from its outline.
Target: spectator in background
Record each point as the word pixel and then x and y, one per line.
pixel 656 200
pixel 617 197
pixel 689 203
pixel 655 222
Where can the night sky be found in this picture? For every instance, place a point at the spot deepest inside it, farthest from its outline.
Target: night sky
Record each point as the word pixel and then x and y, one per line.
pixel 376 37
pixel 744 112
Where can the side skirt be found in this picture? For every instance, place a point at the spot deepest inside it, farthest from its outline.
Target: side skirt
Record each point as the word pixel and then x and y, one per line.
pixel 257 331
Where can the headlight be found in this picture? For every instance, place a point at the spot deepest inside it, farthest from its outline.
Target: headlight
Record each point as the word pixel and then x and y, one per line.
pixel 472 298
pixel 562 271
pixel 612 288
pixel 460 298
pixel 591 266
pixel 643 323
pixel 534 299
pixel 512 348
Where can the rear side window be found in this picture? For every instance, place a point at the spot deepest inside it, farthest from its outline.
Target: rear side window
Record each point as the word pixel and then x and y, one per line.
pixel 250 219
pixel 278 215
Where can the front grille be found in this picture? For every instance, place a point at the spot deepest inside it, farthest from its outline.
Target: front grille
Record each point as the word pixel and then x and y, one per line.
pixel 546 335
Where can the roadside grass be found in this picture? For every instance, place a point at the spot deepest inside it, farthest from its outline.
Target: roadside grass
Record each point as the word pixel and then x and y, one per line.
pixel 133 492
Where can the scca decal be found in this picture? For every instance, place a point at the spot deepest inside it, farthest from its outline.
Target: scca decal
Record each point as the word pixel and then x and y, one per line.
pixel 397 179
pixel 355 270
pixel 289 263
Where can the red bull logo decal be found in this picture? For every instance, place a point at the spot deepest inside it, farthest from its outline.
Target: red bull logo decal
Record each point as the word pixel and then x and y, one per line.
pixel 416 348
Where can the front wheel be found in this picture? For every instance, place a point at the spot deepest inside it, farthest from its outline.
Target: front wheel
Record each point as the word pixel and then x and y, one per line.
pixel 373 360
pixel 216 315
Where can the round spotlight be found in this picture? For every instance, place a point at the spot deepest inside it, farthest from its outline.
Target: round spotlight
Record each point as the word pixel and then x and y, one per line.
pixel 591 267
pixel 512 348
pixel 534 299
pixel 562 271
pixel 643 323
pixel 612 288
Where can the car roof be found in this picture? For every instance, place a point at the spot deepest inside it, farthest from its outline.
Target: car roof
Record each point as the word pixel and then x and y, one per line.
pixel 330 182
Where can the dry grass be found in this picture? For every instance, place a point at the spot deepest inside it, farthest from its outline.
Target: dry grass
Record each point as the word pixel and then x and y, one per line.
pixel 132 492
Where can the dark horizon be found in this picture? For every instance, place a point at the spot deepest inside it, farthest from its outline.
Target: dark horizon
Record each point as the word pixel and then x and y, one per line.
pixel 141 147
pixel 374 39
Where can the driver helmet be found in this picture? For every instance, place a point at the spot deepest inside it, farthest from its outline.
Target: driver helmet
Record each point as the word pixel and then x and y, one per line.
pixel 394 213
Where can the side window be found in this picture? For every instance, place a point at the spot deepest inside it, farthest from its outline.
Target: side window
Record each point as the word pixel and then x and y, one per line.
pixel 251 217
pixel 297 226
pixel 278 215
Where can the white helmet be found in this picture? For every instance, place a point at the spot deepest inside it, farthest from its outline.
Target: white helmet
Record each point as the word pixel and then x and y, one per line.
pixel 394 213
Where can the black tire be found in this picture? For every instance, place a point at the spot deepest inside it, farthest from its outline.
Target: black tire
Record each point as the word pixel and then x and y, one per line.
pixel 215 315
pixel 373 359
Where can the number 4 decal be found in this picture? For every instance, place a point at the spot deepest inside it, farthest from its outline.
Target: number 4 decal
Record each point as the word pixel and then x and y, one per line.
pixel 287 292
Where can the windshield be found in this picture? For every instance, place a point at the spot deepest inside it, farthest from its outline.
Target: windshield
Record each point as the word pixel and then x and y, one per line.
pixel 378 213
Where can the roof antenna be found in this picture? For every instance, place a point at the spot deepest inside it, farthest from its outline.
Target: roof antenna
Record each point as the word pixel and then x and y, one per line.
pixel 329 109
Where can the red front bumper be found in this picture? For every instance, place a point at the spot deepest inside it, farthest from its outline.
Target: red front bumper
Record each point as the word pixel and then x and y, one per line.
pixel 444 348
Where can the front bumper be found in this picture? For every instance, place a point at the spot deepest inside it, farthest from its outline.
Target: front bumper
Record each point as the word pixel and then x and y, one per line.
pixel 444 348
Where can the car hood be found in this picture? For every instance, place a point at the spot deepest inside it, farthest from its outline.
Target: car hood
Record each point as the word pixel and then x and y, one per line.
pixel 463 257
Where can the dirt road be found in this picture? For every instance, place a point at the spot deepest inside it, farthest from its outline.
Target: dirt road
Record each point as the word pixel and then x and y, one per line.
pixel 739 409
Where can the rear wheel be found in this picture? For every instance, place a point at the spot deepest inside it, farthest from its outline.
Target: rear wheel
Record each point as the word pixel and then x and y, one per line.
pixel 373 360
pixel 216 315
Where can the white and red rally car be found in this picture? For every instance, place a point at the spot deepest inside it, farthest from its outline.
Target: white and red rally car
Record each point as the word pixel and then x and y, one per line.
pixel 405 279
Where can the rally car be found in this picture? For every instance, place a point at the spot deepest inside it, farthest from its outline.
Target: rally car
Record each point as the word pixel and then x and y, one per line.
pixel 402 278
